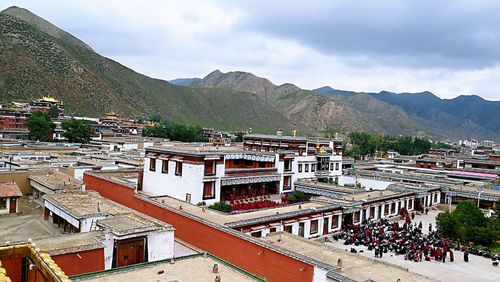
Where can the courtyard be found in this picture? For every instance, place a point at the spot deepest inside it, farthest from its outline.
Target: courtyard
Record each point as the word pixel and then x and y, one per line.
pixel 477 269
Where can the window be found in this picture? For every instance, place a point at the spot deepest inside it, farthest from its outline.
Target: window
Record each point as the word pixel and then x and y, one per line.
pixel 3 203
pixel 410 204
pixel 314 226
pixel 306 167
pixel 262 164
pixel 286 183
pixel 209 190
pixel 236 162
pixel 300 167
pixel 209 167
pixel 313 167
pixel 336 166
pixel 288 165
pixel 178 168
pixel 257 234
pixel 393 208
pixel 288 228
pixel 356 217
pixel 331 166
pixel 272 229
pixel 152 164
pixel 335 221
pixel 248 163
pixel 164 166
pixel 386 209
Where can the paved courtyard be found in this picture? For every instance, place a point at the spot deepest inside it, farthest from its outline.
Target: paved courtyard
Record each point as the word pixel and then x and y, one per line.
pixel 477 269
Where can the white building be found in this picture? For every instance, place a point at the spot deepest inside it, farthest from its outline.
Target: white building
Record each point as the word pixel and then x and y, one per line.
pixel 264 169
pixel 128 236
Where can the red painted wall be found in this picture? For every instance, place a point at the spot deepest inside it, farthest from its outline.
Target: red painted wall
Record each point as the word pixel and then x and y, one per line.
pixel 255 259
pixel 90 261
pixel 13 268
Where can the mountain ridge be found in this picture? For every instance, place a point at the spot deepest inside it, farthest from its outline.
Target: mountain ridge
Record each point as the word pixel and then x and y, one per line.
pixel 37 61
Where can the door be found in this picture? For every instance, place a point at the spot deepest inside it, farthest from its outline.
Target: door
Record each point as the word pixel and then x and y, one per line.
pixel 326 223
pixel 301 228
pixel 13 205
pixel 130 251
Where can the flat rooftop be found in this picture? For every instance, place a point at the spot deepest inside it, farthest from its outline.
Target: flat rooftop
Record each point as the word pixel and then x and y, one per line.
pixel 126 224
pixel 71 243
pixel 190 268
pixel 87 204
pixel 197 150
pixel 369 195
pixel 354 266
pixel 222 218
pixel 56 180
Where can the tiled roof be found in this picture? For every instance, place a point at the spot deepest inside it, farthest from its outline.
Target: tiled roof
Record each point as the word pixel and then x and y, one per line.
pixel 9 189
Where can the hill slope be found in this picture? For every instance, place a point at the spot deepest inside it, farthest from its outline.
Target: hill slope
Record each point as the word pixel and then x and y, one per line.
pixel 36 59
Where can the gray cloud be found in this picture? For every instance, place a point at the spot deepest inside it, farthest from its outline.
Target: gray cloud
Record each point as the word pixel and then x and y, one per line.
pixel 458 34
pixel 447 47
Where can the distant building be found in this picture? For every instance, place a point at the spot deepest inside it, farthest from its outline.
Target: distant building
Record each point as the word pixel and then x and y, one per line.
pixel 9 198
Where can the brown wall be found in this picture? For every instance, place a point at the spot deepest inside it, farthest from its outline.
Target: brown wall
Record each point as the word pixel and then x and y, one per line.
pixel 256 259
pixel 21 179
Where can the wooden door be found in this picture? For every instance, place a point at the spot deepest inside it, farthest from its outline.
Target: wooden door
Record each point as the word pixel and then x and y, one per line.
pixel 13 205
pixel 130 251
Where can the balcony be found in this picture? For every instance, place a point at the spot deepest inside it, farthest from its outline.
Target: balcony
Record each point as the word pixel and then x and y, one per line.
pixel 250 170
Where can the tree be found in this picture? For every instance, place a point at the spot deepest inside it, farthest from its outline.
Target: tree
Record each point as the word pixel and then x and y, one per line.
pixel 174 131
pixel 77 131
pixel 467 223
pixel 54 112
pixel 40 126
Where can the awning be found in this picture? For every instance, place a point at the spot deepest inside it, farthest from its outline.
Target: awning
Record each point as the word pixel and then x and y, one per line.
pixel 260 227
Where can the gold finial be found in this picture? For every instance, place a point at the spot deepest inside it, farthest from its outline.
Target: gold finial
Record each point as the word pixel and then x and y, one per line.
pixel 294 133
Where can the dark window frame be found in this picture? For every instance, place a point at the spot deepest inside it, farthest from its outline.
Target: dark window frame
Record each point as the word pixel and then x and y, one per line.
pixel 164 166
pixel 152 164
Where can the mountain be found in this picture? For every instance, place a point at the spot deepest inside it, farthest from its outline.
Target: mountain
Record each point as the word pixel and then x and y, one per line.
pixel 37 58
pixel 461 117
pixel 184 81
pixel 304 108
pixel 457 116
pixel 327 90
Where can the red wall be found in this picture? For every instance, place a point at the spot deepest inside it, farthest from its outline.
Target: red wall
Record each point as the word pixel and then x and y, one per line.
pixel 90 261
pixel 270 265
pixel 13 268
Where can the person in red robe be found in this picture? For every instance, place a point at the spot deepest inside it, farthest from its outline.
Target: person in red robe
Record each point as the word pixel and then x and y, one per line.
pixel 452 257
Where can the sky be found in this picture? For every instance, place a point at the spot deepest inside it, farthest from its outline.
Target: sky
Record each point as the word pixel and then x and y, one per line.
pixel 450 48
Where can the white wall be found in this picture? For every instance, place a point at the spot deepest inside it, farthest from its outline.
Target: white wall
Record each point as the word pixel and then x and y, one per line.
pixel 191 181
pixel 160 245
pixel 86 224
pixel 6 210
pixel 319 275
pixel 368 183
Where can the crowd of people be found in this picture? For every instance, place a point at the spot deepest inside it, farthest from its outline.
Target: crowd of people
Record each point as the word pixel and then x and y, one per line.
pixel 407 240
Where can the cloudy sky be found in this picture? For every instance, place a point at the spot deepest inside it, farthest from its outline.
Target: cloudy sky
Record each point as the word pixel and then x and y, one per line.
pixel 447 47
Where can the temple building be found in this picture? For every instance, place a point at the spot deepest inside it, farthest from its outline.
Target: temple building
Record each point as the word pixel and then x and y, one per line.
pixel 259 173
